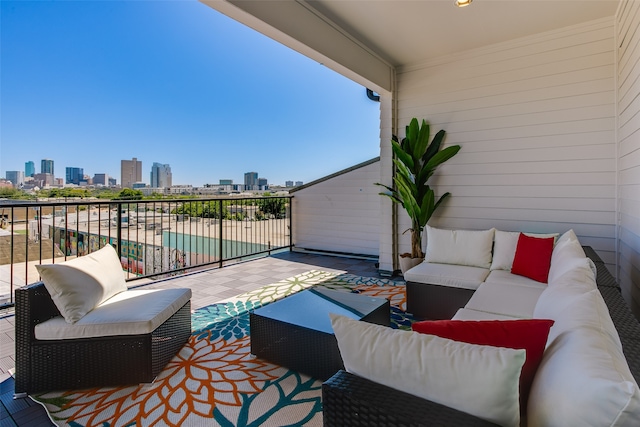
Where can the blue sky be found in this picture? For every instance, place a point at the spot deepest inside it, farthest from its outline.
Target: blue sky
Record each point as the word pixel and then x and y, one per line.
pixel 89 83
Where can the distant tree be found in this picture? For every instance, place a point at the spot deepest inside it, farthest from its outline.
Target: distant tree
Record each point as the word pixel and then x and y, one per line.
pixel 14 193
pixel 129 194
pixel 273 206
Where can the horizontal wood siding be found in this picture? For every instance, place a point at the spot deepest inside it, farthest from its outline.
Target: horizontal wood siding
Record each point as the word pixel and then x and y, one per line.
pixel 536 119
pixel 628 79
pixel 340 214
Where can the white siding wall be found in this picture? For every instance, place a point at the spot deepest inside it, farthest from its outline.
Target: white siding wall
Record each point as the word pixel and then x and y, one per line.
pixel 340 214
pixel 628 33
pixel 536 121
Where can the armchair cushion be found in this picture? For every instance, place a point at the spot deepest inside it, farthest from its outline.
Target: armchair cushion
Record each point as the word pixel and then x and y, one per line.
pixel 79 285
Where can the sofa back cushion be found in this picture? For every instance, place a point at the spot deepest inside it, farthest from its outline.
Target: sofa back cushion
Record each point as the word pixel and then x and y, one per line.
pixel 79 285
pixel 477 379
pixel 461 247
pixel 566 253
pixel 583 379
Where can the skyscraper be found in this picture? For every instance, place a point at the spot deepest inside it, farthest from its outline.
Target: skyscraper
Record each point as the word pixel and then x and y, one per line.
pixel 160 176
pixel 101 179
pixel 74 175
pixel 130 172
pixel 46 166
pixel 250 180
pixel 16 178
pixel 29 168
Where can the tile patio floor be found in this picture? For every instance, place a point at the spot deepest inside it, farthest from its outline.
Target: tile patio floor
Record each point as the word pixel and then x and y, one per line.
pixel 207 286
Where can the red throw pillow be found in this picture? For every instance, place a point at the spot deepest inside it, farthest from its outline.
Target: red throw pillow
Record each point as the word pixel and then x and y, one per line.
pixel 533 257
pixel 528 334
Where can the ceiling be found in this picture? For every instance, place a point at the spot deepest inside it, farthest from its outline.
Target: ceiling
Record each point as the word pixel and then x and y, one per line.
pixel 404 32
pixel 367 39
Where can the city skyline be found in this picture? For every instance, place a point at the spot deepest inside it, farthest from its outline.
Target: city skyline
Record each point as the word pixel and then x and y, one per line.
pixel 76 170
pixel 189 87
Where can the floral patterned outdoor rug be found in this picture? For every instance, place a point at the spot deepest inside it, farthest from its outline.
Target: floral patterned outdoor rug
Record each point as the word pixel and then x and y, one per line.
pixel 214 380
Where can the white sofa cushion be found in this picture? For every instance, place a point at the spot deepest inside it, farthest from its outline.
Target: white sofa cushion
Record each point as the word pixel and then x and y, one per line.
pixel 459 247
pixel 506 299
pixel 79 285
pixel 132 312
pixel 456 276
pixel 504 248
pixel 480 380
pixel 502 276
pixel 573 307
pixel 583 380
pixel 468 314
pixel 565 254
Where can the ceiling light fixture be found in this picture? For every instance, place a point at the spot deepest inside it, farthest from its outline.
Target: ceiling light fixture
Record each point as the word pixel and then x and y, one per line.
pixel 462 3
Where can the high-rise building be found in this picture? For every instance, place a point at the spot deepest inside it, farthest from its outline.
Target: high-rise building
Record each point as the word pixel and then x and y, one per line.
pixel 74 175
pixel 46 166
pixel 298 183
pixel 113 182
pixel 43 179
pixel 29 168
pixel 263 184
pixel 160 176
pixel 226 182
pixel 250 180
pixel 16 178
pixel 288 184
pixel 101 179
pixel 130 172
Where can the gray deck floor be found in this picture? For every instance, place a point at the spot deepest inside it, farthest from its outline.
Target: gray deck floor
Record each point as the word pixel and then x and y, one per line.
pixel 208 287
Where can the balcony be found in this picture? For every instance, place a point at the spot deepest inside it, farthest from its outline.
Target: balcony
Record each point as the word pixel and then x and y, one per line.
pixel 162 244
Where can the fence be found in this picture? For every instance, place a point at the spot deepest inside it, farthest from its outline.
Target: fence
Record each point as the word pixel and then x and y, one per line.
pixel 153 237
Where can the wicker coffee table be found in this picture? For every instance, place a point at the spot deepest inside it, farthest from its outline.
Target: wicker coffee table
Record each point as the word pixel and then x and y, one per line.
pixel 296 331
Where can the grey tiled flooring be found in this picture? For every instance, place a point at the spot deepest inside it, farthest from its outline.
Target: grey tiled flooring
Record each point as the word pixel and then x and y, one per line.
pixel 208 287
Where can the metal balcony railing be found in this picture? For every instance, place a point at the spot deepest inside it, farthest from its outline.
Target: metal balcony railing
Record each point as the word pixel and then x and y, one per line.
pixel 154 238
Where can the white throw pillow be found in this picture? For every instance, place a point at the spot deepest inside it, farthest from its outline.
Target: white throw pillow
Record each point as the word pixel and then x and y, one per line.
pixel 460 247
pixel 79 285
pixel 504 248
pixel 476 379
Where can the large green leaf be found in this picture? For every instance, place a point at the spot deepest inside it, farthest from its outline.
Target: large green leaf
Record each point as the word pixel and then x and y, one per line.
pixel 402 155
pixel 442 156
pixel 421 144
pixel 412 134
pixel 434 147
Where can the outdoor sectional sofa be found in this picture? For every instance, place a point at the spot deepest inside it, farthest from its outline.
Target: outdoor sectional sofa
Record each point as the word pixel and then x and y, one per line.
pixel 588 373
pixel 83 328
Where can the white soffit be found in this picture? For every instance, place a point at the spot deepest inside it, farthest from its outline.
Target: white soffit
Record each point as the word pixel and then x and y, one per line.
pixel 367 38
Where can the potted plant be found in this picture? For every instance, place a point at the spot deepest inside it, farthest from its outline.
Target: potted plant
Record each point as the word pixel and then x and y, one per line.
pixel 415 161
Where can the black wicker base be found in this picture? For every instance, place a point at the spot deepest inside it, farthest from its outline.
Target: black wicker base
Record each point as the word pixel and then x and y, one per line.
pixel 350 400
pixel 89 362
pixel 428 301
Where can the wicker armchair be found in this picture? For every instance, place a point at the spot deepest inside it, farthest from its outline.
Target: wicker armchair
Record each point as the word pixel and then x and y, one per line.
pixel 88 362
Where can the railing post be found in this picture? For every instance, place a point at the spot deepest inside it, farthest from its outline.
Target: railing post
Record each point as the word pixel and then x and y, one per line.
pixel 119 229
pixel 220 245
pixel 290 223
